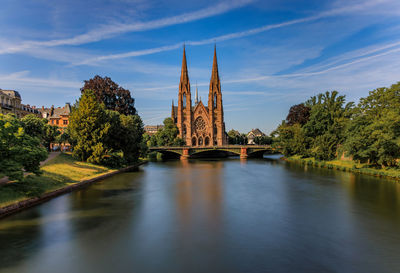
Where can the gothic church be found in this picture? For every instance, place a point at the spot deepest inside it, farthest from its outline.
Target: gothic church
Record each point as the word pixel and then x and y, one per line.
pixel 200 125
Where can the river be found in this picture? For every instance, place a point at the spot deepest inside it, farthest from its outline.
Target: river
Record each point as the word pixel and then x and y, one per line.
pixel 261 215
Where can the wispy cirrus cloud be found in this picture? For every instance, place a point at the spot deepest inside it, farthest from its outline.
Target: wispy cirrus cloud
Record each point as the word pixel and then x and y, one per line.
pixel 109 31
pixel 236 35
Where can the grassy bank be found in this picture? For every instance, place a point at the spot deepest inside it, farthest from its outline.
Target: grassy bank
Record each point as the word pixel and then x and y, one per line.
pixel 347 166
pixel 59 172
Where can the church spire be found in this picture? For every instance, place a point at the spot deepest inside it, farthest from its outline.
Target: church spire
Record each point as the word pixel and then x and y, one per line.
pixel 184 70
pixel 214 74
pixel 173 111
pixel 196 101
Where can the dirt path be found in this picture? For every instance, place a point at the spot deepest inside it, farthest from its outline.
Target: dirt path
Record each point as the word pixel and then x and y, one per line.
pixel 52 155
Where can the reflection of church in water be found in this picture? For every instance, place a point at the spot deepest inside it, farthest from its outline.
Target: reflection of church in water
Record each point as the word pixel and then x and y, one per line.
pixel 200 125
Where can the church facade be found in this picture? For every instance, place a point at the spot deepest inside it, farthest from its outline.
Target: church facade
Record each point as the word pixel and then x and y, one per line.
pixel 200 125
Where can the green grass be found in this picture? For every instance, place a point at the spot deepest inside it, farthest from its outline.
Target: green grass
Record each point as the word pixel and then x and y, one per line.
pixel 348 166
pixel 59 172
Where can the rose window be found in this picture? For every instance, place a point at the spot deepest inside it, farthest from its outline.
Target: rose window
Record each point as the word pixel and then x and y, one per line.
pixel 199 124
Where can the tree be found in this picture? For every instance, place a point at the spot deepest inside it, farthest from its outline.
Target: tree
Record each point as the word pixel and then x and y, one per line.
pixel 18 150
pixel 374 133
pixel 298 113
pixel 132 135
pixel 167 136
pixel 88 127
pixel 292 139
pixel 50 135
pixel 111 94
pixel 34 126
pixel 326 125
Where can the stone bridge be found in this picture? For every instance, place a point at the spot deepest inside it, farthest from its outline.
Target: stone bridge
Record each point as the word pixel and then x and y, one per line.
pixel 244 151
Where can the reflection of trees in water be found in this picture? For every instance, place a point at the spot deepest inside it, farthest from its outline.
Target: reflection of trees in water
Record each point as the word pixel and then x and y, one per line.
pixel 19 237
pixel 59 220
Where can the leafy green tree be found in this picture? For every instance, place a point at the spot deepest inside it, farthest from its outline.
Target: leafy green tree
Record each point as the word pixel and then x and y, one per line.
pixel 373 134
pixel 50 135
pixel 34 126
pixel 18 150
pixel 89 127
pixel 167 135
pixel 132 132
pixel 292 139
pixel 326 125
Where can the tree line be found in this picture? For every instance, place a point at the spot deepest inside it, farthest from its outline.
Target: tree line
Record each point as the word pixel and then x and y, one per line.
pixel 326 127
pixel 104 128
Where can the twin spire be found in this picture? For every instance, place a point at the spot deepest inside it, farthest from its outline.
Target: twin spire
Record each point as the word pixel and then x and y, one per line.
pixel 214 82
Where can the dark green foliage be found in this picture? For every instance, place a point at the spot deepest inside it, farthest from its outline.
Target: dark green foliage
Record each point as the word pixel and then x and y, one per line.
pixel 263 140
pixel 18 150
pixel 369 132
pixel 50 135
pixel 111 94
pixel 38 127
pixel 102 136
pixel 373 135
pixel 323 131
pixel 167 136
pixel 234 137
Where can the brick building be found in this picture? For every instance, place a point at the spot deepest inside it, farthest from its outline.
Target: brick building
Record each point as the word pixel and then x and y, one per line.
pixel 200 125
pixel 59 117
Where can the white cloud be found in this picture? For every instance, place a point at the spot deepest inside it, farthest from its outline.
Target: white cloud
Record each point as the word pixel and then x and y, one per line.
pixel 108 31
pixel 334 12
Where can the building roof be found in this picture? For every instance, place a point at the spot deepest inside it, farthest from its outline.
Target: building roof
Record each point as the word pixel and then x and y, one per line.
pixel 11 93
pixel 256 132
pixel 57 112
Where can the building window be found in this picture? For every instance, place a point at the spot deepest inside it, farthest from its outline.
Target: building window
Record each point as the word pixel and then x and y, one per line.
pixel 57 121
pixel 65 122
pixel 184 100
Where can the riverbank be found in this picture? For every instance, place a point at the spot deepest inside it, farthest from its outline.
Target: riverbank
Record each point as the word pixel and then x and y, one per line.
pixel 61 174
pixel 347 166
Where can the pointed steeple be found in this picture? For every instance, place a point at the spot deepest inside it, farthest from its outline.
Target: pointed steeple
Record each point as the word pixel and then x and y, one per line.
pixel 196 101
pixel 214 73
pixel 184 70
pixel 173 111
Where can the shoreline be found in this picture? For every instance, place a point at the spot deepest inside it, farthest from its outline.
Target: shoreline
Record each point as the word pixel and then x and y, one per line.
pixel 351 167
pixel 33 201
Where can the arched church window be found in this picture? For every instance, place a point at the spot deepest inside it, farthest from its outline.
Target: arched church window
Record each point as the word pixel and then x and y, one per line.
pixel 207 141
pixel 215 129
pixel 200 141
pixel 215 100
pixel 194 141
pixel 184 100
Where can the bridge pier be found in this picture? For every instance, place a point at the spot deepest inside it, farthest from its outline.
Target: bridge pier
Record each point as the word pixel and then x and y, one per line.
pixel 243 153
pixel 185 154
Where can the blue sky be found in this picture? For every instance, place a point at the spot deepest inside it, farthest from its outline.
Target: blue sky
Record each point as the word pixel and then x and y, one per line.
pixel 271 54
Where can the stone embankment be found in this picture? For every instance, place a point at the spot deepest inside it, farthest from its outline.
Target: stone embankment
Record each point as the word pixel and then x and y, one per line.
pixel 21 205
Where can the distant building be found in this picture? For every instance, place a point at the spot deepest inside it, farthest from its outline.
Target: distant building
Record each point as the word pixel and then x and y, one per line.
pixel 253 134
pixel 10 103
pixel 58 117
pixel 152 129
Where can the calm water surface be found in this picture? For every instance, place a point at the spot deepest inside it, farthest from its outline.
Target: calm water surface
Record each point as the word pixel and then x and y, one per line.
pixel 212 216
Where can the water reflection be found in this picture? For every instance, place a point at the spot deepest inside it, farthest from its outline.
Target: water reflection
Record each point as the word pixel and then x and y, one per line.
pixel 228 215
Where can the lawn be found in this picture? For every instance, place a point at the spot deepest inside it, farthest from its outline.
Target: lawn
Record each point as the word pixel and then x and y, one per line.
pixel 59 172
pixel 351 166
